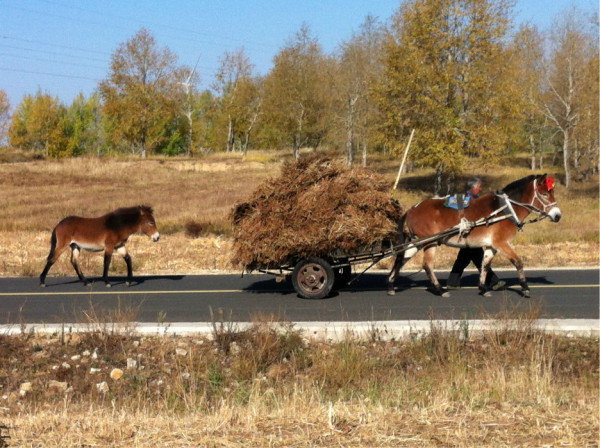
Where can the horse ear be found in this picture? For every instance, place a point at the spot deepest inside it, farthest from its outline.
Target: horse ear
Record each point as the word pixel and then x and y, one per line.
pixel 548 181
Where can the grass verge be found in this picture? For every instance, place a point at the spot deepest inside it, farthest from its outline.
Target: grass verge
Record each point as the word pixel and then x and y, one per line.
pixel 268 385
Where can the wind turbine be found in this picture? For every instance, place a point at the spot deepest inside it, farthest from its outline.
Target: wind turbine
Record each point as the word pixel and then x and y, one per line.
pixel 188 90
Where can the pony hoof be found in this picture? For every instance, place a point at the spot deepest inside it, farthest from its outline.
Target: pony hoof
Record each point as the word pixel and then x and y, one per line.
pixel 391 292
pixel 108 285
pixel 128 283
pixel 42 285
pixel 526 293
pixel 445 294
pixel 486 293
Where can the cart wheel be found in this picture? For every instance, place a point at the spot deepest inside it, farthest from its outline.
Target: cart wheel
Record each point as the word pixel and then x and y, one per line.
pixel 313 278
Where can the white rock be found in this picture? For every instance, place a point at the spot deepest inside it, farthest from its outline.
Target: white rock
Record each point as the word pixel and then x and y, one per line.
pixel 131 364
pixel 95 370
pixel 102 387
pixel 181 352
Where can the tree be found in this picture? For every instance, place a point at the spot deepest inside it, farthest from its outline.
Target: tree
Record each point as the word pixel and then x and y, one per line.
pixel 443 76
pixel 297 91
pixel 567 99
pixel 233 75
pixel 359 70
pixel 142 95
pixel 39 124
pixel 83 125
pixel 528 47
pixel 205 113
pixel 4 117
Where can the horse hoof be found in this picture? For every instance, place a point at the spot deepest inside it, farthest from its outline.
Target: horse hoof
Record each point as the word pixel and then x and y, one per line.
pixel 486 294
pixel 526 293
pixel 391 292
pixel 127 283
pixel 42 285
pixel 445 294
pixel 108 285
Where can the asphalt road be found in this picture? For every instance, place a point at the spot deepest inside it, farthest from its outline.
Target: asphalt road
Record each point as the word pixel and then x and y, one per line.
pixel 566 294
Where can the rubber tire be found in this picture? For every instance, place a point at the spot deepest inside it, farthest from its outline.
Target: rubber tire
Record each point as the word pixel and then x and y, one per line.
pixel 313 278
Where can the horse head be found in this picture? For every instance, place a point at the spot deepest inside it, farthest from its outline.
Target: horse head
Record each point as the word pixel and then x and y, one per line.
pixel 536 194
pixel 147 223
pixel 544 196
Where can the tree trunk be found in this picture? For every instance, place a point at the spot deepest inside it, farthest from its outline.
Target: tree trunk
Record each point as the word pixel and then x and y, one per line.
pixel 229 146
pixel 364 154
pixel 296 147
pixel 566 157
pixel 439 171
pixel 350 132
pixel 349 155
pixel 532 147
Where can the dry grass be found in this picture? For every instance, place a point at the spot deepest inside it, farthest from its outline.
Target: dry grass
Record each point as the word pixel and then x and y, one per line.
pixel 194 197
pixel 269 386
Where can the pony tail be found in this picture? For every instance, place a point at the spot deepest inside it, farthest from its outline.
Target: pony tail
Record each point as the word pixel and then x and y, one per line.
pixel 52 245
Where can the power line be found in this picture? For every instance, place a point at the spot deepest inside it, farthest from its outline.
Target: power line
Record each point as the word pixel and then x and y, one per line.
pixel 52 61
pixel 39 42
pixel 57 75
pixel 16 47
pixel 161 25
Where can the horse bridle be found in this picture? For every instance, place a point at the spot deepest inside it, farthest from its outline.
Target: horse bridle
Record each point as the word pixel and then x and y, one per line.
pixel 542 214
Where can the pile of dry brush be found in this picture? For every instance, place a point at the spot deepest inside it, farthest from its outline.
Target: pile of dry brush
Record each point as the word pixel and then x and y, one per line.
pixel 315 208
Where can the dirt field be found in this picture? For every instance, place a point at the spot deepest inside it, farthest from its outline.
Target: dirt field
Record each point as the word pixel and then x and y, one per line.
pixel 201 193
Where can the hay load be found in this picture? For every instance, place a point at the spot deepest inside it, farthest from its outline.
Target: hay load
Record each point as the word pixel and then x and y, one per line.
pixel 315 208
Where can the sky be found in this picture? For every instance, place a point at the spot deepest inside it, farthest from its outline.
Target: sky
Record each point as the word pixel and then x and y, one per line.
pixel 63 47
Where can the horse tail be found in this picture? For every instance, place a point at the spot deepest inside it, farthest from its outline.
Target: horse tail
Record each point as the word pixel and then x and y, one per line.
pixel 52 245
pixel 402 236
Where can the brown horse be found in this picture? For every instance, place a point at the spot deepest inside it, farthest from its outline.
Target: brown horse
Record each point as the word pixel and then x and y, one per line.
pixel 105 233
pixel 498 217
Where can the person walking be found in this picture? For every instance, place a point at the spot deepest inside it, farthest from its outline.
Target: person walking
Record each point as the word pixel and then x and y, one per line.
pixel 467 255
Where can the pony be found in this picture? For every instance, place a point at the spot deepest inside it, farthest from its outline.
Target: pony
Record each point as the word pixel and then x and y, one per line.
pixel 490 222
pixel 106 233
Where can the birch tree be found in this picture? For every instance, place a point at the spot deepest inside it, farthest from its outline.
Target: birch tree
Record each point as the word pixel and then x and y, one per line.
pixel 142 94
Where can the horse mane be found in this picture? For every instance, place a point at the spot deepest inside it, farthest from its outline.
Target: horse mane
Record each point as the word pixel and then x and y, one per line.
pixel 126 216
pixel 146 208
pixel 517 186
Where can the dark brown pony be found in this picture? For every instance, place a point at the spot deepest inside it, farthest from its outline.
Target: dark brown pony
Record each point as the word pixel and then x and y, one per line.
pixel 503 214
pixel 105 233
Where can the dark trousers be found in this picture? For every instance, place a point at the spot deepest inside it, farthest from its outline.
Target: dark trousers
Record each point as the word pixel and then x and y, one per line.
pixel 465 256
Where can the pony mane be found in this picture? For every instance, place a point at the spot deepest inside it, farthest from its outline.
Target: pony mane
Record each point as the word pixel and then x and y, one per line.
pixel 126 216
pixel 517 186
pixel 146 208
